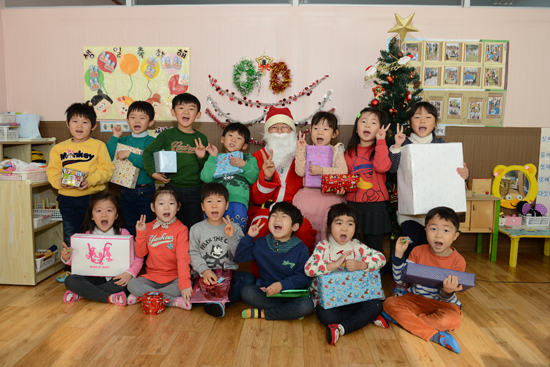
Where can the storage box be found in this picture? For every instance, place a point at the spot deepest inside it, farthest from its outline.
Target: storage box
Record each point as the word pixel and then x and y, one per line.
pixel 320 155
pixel 224 168
pixel 41 220
pixel 480 186
pixel 535 221
pixel 9 133
pixel 34 176
pixel 44 262
pixel 55 214
pixel 512 220
pixel 125 173
pixel 347 287
pixel 7 118
pixel 72 177
pixel 433 277
pixel 166 162
pixel 427 178
pixel 101 255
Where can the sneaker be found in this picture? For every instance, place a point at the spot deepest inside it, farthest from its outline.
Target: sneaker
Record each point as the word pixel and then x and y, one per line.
pixel 61 277
pixel 388 317
pixel 216 309
pixel 333 333
pixel 448 341
pixel 381 322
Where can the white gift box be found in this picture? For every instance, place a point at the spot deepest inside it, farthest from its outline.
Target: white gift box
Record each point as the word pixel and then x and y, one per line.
pixel 101 255
pixel 166 161
pixel 427 178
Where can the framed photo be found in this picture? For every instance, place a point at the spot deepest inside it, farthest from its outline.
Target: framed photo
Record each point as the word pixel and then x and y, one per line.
pixel 432 76
pixel 494 52
pixel 472 52
pixel 437 102
pixel 493 77
pixel 471 77
pixel 454 107
pixel 452 75
pixel 433 51
pixel 413 48
pixel 494 105
pixel 452 51
pixel 475 110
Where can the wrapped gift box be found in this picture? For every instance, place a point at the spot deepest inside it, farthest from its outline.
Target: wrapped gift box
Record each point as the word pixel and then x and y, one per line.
pixel 347 287
pixel 333 183
pixel 125 173
pixel 219 292
pixel 72 177
pixel 320 155
pixel 101 255
pixel 166 162
pixel 427 178
pixel 224 168
pixel 433 277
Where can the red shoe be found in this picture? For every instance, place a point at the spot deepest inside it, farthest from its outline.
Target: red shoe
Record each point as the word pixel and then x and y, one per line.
pixel 333 333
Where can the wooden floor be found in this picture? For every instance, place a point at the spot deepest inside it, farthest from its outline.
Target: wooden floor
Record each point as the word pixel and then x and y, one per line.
pixel 504 324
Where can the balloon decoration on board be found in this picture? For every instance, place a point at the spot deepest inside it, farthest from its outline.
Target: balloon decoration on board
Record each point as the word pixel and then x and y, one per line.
pixel 94 78
pixel 178 84
pixel 150 68
pixel 171 63
pixel 107 61
pixel 129 64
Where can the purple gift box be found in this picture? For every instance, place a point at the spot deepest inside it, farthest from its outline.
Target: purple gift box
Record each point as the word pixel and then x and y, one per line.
pixel 320 155
pixel 431 276
pixel 341 288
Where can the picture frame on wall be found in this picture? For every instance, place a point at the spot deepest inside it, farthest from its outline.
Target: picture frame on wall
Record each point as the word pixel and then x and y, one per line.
pixel 494 52
pixel 492 77
pixel 494 105
pixel 432 76
pixel 454 106
pixel 475 110
pixel 452 51
pixel 471 77
pixel 414 49
pixel 472 52
pixel 437 102
pixel 452 75
pixel 433 51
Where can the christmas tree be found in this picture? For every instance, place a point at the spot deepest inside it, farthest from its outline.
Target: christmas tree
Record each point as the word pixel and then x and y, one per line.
pixel 393 96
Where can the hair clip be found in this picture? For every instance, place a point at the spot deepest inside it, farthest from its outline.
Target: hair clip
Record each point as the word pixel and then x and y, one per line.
pixel 359 114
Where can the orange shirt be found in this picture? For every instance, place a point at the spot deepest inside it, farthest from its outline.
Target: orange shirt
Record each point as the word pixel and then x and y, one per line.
pixel 423 255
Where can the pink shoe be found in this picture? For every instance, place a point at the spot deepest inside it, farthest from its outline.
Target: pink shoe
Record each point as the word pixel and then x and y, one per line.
pixel 118 299
pixel 131 300
pixel 179 302
pixel 70 297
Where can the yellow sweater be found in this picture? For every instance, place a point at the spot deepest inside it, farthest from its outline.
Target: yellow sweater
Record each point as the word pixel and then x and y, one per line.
pixel 90 156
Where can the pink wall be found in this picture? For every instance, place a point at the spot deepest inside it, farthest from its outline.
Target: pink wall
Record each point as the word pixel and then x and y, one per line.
pixel 43 49
pixel 3 94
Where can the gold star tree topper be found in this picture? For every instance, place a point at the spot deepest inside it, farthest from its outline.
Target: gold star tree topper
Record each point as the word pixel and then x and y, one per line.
pixel 403 26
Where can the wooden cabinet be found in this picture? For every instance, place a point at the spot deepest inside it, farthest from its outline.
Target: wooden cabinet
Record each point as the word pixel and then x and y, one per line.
pixel 19 240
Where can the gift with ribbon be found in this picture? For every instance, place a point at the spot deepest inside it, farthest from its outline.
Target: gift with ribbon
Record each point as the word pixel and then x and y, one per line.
pixel 153 302
pixel 334 183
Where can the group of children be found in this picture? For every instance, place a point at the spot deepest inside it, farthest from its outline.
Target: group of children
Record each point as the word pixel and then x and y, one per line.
pixel 181 244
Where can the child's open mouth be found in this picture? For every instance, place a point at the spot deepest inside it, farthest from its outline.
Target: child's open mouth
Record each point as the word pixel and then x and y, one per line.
pixel 343 237
pixel 366 133
pixel 214 214
pixel 423 129
pixel 166 215
pixel 277 227
pixel 104 223
pixel 320 141
pixel 439 244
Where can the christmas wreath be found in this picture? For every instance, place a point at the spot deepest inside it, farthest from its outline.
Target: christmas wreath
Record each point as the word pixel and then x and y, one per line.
pixel 279 83
pixel 246 70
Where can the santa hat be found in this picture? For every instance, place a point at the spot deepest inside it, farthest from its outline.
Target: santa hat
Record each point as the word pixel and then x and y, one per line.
pixel 279 115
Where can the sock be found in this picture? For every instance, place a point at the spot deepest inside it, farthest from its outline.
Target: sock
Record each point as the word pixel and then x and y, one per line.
pixel 447 340
pixel 341 328
pixel 253 313
pixel 131 299
pixel 180 302
pixel 118 299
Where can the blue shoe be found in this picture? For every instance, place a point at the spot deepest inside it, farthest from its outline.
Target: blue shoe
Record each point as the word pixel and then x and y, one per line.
pixel 216 309
pixel 388 318
pixel 448 341
pixel 62 276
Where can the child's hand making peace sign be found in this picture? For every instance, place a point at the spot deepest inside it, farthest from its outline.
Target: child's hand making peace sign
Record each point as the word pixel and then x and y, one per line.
pixel 140 224
pixel 381 134
pixel 229 230
pixel 254 230
pixel 301 140
pixel 268 167
pixel 400 137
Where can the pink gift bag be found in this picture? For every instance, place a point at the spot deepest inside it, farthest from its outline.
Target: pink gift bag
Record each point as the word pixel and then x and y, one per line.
pixel 219 292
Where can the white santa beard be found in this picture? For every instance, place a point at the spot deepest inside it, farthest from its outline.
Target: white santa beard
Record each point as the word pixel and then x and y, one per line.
pixel 284 148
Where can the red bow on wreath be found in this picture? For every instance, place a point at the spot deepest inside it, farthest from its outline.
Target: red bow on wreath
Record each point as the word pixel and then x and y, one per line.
pixel 265 67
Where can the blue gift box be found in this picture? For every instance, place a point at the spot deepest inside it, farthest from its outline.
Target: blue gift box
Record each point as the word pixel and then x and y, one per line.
pixel 224 168
pixel 166 161
pixel 433 277
pixel 342 288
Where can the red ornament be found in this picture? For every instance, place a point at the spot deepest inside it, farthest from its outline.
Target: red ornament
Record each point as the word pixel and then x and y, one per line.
pixel 399 54
pixel 374 103
pixel 389 78
pixel 409 97
pixel 393 112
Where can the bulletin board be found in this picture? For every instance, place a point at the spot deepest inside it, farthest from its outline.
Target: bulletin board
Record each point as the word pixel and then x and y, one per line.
pixel 465 80
pixel 116 76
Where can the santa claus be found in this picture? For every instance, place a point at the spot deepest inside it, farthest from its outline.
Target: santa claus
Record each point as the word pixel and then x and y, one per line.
pixel 278 180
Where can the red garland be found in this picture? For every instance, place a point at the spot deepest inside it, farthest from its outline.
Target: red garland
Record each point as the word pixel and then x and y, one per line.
pixel 276 84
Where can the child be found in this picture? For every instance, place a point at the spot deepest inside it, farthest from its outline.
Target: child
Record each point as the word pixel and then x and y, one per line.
pixel 165 241
pixel 367 156
pixel 81 153
pixel 235 137
pixel 212 245
pixel 423 120
pixel 313 204
pixel 188 143
pixel 135 202
pixel 101 218
pixel 281 257
pixel 426 311
pixel 330 255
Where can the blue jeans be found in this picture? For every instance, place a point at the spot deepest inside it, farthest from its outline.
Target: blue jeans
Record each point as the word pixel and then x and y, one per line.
pixel 73 210
pixel 134 203
pixel 351 317
pixel 190 212
pixel 276 308
pixel 240 280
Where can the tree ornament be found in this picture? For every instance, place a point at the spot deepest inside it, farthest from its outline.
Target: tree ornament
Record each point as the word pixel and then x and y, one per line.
pixel 370 71
pixel 245 70
pixel 378 91
pixel 403 26
pixel 393 112
pixel 416 84
pixel 388 92
pixel 279 84
pixel 402 106
pixel 399 54
pixel 409 97
pixel 264 63
pixel 390 79
pixel 374 103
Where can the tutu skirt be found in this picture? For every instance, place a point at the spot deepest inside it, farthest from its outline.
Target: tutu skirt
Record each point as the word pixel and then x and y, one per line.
pixel 315 205
pixel 372 218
